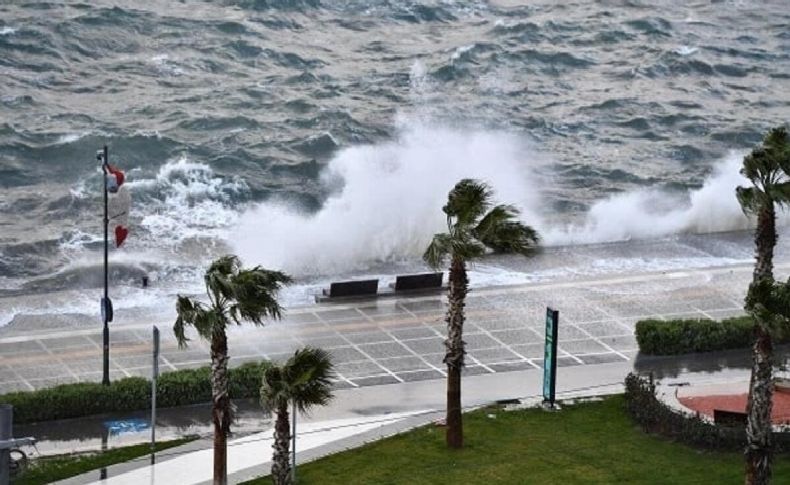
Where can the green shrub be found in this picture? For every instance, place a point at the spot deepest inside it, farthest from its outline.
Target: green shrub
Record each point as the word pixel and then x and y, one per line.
pixel 656 417
pixel 659 337
pixel 178 388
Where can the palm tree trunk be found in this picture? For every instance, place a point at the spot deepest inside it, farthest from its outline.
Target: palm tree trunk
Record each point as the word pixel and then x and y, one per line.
pixel 764 242
pixel 454 358
pixel 759 447
pixel 220 410
pixel 281 466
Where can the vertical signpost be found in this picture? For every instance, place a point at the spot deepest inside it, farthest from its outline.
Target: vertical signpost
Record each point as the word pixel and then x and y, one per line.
pixel 154 375
pixel 550 356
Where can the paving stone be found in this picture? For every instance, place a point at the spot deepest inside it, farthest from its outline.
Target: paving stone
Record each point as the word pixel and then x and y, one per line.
pixel 422 375
pixel 400 364
pixel 299 318
pixel 375 381
pixel 479 341
pixel 601 359
pixel 529 351
pixel 474 370
pixel 350 315
pixel 516 337
pixel 345 354
pixel 511 366
pixel 426 346
pixel 582 347
pixel 413 333
pixel 384 350
pixel 383 309
pixel 368 337
pixel 494 355
pixel 602 329
pixel 353 370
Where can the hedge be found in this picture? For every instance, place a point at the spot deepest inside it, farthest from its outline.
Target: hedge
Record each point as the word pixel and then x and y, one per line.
pixel 659 337
pixel 178 388
pixel 654 416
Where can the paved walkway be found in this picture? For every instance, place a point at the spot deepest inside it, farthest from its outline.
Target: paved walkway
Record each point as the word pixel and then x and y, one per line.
pixel 400 340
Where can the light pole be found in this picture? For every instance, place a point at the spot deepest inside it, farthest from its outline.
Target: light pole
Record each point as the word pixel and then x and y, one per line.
pixel 106 305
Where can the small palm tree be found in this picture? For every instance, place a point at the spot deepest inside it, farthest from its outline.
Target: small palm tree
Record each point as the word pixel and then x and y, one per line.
pixel 767 168
pixel 304 380
pixel 473 227
pixel 235 295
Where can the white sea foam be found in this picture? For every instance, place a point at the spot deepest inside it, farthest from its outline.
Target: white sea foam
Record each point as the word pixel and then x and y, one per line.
pixel 685 50
pixel 7 30
pixel 389 203
pixel 194 202
pixel 653 213
pixel 70 138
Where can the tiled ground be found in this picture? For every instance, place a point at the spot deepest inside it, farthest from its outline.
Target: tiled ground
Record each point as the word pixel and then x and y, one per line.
pixel 390 341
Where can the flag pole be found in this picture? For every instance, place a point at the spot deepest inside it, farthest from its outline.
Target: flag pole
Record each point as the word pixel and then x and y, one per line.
pixel 106 305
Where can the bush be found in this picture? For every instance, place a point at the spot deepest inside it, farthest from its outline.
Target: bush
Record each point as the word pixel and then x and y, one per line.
pixel 656 417
pixel 658 337
pixel 178 388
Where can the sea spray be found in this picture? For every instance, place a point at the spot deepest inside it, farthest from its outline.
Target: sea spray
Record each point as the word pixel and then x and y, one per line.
pixel 650 213
pixel 390 202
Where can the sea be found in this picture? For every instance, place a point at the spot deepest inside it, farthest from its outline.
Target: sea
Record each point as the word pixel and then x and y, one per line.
pixel 320 137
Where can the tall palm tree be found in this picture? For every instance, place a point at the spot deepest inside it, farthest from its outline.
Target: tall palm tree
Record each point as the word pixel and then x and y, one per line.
pixel 473 227
pixel 767 168
pixel 304 380
pixel 235 295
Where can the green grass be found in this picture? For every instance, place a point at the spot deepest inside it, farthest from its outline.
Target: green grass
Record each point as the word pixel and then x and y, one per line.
pixel 594 442
pixel 49 469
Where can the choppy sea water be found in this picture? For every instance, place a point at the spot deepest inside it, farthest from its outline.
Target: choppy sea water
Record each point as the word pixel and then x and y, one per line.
pixel 321 137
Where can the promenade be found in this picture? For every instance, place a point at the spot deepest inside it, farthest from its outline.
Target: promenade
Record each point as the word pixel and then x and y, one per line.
pixel 390 341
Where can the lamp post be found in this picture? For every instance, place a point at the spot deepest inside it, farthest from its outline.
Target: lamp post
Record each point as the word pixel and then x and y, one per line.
pixel 106 305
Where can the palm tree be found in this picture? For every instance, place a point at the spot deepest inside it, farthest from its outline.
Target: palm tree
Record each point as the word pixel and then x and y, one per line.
pixel 767 168
pixel 305 380
pixel 473 227
pixel 235 295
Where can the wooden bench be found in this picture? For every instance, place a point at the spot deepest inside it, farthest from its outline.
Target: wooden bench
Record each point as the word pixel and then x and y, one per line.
pixel 422 281
pixel 352 288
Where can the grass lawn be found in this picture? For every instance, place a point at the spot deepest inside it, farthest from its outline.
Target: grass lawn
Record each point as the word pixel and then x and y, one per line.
pixel 594 442
pixel 52 468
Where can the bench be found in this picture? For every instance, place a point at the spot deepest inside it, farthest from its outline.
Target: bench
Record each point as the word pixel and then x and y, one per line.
pixel 729 418
pixel 422 281
pixel 352 288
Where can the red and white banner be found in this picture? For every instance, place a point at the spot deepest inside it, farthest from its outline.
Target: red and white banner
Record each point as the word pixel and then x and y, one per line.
pixel 118 204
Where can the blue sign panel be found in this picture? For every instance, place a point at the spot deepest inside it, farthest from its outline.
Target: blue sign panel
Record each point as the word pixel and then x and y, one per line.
pixel 123 426
pixel 550 355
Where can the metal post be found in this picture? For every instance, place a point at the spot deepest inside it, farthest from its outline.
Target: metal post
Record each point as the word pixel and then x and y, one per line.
pixel 106 301
pixel 293 444
pixel 154 375
pixel 6 428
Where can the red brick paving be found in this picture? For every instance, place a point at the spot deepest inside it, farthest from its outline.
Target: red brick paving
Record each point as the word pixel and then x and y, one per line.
pixel 737 403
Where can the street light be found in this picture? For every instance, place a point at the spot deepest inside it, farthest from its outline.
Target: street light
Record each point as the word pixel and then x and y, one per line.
pixel 106 303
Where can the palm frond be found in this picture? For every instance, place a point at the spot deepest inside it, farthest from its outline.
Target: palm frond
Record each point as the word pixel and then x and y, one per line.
pixel 750 199
pixel 310 371
pixel 188 312
pixel 438 250
pixel 501 231
pixel 305 380
pixel 255 294
pixel 467 201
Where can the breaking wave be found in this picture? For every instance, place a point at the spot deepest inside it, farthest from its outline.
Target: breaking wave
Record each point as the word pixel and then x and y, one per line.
pixel 388 198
